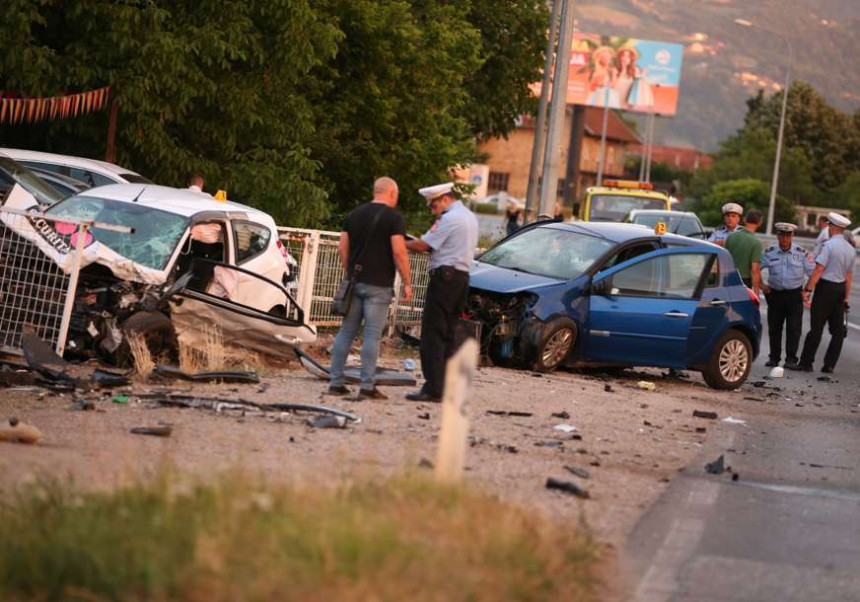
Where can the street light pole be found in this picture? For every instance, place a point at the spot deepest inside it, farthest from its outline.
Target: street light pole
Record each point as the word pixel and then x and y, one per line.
pixel 775 180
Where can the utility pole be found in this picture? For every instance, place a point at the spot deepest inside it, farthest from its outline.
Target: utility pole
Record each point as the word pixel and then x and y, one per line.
pixel 538 143
pixel 549 179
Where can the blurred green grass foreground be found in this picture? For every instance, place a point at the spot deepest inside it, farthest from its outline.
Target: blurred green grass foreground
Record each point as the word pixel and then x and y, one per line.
pixel 238 538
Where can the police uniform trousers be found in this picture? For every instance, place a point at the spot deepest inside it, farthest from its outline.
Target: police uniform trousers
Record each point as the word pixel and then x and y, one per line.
pixel 784 307
pixel 444 302
pixel 827 308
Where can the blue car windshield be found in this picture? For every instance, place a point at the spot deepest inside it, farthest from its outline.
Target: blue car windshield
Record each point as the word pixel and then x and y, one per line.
pixel 555 253
pixel 155 236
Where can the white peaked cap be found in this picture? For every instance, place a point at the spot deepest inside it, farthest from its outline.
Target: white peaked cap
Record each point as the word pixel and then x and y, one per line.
pixel 785 227
pixel 838 219
pixel 432 192
pixel 733 208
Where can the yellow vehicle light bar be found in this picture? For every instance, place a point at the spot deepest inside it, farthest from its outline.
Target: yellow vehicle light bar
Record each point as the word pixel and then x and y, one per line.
pixel 628 184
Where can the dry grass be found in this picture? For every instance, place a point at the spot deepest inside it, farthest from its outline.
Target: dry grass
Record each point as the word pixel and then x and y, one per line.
pixel 143 362
pixel 241 539
pixel 213 354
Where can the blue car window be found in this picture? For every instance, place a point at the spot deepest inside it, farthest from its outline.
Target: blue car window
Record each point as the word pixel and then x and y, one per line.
pixel 675 276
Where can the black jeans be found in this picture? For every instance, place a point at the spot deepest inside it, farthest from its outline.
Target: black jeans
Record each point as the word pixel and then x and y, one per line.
pixel 445 300
pixel 784 307
pixel 827 308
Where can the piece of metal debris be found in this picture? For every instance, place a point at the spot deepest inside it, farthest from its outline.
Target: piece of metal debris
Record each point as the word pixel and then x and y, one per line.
pixel 704 414
pixel 731 420
pixel 509 413
pixel 567 487
pixel 718 466
pixel 580 472
pixel 225 376
pixel 549 443
pixel 107 379
pixel 565 428
pixel 562 415
pixel 327 422
pixel 608 388
pixel 384 376
pixel 162 430
pixel 218 404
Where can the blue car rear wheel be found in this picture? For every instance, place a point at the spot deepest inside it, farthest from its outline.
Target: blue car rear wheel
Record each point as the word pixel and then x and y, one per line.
pixel 730 363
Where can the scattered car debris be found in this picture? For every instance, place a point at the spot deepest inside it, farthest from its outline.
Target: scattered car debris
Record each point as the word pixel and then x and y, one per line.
pixel 608 388
pixel 15 431
pixel 122 399
pixel 226 376
pixel 510 413
pixel 107 379
pixel 777 372
pixel 580 472
pixel 814 465
pixel 704 414
pixel 384 377
pixel 82 405
pixel 549 443
pixel 701 429
pixel 9 378
pixel 648 386
pixel 718 466
pixel 562 415
pixel 409 364
pixel 565 428
pixel 41 358
pixel 328 421
pixel 751 398
pixel 409 339
pixel 162 430
pixel 219 405
pixel 424 416
pixel 731 420
pixel 824 379
pixel 263 388
pixel 567 487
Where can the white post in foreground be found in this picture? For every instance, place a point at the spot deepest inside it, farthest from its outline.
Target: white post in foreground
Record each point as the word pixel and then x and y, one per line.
pixel 459 373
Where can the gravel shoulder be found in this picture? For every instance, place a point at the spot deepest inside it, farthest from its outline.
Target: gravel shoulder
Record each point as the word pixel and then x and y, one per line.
pixel 631 441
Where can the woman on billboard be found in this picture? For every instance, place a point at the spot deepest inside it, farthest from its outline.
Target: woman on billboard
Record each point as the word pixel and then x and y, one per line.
pixel 602 81
pixel 630 83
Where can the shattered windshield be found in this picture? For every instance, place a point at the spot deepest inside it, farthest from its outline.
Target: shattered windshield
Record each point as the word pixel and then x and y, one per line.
pixel 156 233
pixel 44 194
pixel 614 208
pixel 551 252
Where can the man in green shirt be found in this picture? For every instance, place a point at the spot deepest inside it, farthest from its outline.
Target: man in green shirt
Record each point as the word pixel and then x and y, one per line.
pixel 746 249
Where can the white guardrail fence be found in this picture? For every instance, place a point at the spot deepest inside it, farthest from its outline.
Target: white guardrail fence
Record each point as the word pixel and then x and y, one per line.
pixel 320 273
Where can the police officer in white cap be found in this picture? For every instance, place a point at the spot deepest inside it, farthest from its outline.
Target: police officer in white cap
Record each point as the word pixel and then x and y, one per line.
pixel 451 242
pixel 788 265
pixel 831 281
pixel 732 213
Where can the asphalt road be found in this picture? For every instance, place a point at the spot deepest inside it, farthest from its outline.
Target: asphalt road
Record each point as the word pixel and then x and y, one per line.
pixel 789 528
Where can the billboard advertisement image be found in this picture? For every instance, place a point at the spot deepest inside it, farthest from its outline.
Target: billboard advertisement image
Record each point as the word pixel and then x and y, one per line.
pixel 624 73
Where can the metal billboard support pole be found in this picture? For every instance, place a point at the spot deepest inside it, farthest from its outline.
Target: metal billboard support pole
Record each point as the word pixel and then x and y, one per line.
pixel 537 144
pixel 603 137
pixel 549 179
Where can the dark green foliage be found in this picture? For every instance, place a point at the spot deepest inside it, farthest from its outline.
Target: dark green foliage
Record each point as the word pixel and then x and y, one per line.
pixel 750 193
pixel 293 106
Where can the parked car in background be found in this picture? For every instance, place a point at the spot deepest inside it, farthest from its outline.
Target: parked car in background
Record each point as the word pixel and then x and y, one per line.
pixel 189 264
pixel 683 223
pixel 600 294
pixel 89 171
pixel 64 185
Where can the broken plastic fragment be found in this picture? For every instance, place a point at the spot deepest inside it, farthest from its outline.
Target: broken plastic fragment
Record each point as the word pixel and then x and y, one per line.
pixel 648 386
pixel 567 487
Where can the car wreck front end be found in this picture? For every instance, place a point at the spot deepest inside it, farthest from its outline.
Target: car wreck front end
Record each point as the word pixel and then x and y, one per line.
pixel 527 295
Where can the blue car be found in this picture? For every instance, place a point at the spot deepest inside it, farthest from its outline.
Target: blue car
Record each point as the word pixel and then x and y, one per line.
pixel 609 294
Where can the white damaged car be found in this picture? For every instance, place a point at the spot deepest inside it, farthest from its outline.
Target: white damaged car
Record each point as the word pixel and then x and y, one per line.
pixel 182 265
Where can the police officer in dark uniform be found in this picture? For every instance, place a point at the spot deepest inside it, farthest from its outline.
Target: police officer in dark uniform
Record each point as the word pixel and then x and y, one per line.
pixel 788 265
pixel 451 243
pixel 831 281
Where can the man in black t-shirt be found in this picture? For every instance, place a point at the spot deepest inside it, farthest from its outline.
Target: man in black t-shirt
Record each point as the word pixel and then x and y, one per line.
pixel 371 246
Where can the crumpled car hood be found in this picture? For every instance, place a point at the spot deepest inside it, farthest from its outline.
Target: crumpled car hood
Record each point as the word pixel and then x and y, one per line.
pixel 502 280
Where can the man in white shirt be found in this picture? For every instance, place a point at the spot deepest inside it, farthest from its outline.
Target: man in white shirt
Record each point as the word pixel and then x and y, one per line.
pixel 195 182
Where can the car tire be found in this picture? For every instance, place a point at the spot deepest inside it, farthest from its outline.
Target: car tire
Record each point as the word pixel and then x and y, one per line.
pixel 730 362
pixel 556 341
pixel 156 329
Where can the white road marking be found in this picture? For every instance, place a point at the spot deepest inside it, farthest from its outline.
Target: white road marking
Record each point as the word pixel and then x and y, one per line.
pixel 661 580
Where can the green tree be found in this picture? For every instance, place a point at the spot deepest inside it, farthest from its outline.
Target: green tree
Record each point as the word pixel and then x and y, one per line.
pixel 750 154
pixel 828 137
pixel 293 106
pixel 750 193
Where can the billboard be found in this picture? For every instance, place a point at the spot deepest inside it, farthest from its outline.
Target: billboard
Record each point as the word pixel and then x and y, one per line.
pixel 624 73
